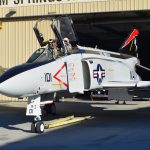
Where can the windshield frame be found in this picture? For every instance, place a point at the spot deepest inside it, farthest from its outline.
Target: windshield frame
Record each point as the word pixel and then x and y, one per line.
pixel 36 58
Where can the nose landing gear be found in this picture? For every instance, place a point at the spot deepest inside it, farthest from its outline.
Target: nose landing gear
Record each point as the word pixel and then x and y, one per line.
pixel 34 109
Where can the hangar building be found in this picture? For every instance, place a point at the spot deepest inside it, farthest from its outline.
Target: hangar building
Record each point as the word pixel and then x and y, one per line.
pixel 101 23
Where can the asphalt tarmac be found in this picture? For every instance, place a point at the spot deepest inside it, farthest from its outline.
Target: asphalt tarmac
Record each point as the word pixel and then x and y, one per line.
pixel 114 127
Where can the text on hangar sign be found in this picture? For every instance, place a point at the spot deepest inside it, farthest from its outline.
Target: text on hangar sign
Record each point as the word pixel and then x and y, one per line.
pixel 16 2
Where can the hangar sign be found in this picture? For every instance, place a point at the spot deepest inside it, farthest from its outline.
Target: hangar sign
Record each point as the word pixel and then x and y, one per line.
pixel 15 3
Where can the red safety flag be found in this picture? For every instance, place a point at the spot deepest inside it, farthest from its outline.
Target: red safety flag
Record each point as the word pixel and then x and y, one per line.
pixel 132 36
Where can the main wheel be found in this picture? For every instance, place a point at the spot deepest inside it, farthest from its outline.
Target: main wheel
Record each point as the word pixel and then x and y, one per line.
pixel 53 109
pixel 50 109
pixel 39 127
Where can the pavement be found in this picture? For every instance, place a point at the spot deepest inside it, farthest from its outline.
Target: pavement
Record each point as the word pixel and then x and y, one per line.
pixel 113 127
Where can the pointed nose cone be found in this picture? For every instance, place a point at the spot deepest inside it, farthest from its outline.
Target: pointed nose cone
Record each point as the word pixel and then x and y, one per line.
pixel 3 89
pixel 0 88
pixel 0 85
pixel 4 86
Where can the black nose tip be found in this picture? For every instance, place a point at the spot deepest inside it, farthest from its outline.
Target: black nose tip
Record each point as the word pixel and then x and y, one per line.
pixel 0 79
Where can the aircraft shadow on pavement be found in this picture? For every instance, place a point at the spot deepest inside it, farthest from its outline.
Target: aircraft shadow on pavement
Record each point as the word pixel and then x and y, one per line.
pixel 65 137
pixel 12 116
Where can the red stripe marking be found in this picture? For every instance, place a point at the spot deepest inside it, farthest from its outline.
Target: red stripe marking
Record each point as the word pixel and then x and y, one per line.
pixel 55 76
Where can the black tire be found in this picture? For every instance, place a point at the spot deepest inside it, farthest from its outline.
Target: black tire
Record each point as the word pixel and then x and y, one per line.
pixel 33 128
pixel 50 109
pixel 47 109
pixel 39 127
pixel 53 109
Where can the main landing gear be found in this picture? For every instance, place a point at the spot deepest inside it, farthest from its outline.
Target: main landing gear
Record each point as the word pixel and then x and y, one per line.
pixel 50 109
pixel 34 109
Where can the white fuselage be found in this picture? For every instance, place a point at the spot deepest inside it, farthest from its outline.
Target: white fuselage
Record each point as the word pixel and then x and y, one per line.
pixel 76 73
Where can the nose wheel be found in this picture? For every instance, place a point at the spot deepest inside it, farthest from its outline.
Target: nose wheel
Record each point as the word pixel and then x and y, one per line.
pixel 37 127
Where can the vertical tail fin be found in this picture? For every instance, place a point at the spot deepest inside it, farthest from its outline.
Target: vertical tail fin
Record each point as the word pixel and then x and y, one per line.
pixel 130 45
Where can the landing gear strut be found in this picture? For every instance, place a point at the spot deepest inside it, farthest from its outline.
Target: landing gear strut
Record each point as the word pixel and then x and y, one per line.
pixel 34 109
pixel 117 102
pixel 124 102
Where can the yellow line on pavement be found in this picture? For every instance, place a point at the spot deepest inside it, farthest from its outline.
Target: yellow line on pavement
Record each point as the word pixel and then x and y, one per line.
pixel 66 121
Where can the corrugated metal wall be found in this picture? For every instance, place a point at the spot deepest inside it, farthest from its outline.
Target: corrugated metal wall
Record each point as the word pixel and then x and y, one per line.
pixel 82 7
pixel 16 43
pixel 18 40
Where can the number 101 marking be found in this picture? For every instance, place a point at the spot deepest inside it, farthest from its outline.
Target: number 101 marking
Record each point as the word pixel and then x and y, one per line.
pixel 48 77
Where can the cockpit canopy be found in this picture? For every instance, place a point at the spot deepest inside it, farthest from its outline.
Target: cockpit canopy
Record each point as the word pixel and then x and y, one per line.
pixel 65 29
pixel 40 55
pixel 62 27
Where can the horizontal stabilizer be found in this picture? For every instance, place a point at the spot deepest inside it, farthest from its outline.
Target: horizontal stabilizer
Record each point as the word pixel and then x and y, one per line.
pixel 143 67
pixel 125 84
pixel 118 84
pixel 143 84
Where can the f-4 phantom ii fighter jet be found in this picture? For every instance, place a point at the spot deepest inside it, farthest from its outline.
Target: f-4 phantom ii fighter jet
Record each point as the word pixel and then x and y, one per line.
pixel 62 68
